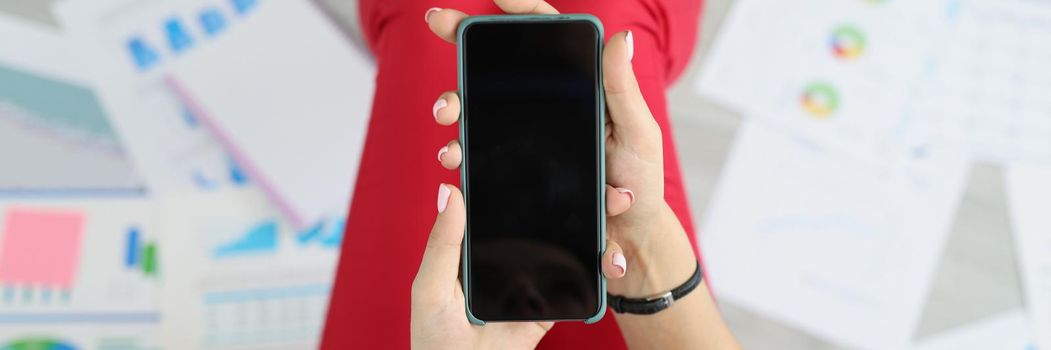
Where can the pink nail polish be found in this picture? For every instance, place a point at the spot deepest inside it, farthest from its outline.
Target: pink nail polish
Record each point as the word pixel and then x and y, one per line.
pixel 630 39
pixel 629 192
pixel 442 152
pixel 443 197
pixel 438 105
pixel 427 16
pixel 619 261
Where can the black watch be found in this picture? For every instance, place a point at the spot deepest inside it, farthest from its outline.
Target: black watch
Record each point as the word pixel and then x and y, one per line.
pixel 652 305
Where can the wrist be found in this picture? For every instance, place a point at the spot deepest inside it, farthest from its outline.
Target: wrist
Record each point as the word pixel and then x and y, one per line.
pixel 660 257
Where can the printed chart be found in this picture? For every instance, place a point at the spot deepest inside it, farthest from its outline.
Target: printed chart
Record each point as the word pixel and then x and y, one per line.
pixel 65 272
pixel 130 45
pixel 246 278
pixel 987 86
pixel 843 75
pixel 39 253
pixel 78 337
pixel 51 122
pixel 830 245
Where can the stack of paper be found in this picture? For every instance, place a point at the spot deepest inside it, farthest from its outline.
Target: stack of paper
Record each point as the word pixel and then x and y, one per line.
pixel 862 116
pixel 78 242
pixel 245 119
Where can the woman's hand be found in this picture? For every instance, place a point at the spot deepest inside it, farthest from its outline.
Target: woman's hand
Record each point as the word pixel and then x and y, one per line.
pixel 438 317
pixel 438 313
pixel 643 231
pixel 654 242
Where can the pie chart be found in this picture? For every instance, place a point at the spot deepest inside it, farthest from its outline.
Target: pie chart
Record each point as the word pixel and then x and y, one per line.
pixel 847 42
pixel 37 343
pixel 820 100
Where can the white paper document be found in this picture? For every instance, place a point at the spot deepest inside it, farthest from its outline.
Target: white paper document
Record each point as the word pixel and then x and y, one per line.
pixel 289 96
pixel 841 248
pixel 1007 331
pixel 127 46
pixel 99 336
pixel 858 75
pixel 54 134
pixel 79 271
pixel 836 72
pixel 245 278
pixel 987 84
pixel 1029 198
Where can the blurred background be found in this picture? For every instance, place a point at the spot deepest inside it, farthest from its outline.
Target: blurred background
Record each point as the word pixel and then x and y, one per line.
pixel 864 174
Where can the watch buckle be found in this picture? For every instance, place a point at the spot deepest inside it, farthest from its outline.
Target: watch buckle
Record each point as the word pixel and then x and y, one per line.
pixel 667 299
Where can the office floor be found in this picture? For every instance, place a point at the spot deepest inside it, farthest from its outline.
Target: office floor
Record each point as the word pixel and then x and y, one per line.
pixel 976 277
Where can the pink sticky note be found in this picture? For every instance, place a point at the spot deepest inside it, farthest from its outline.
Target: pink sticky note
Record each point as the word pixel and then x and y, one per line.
pixel 40 248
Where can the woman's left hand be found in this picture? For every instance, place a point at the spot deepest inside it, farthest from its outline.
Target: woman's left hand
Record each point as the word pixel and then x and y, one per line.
pixel 439 319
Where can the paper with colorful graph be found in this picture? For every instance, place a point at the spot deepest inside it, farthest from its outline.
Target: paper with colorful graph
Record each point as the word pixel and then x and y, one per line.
pixel 52 123
pixel 858 75
pixel 126 46
pixel 291 107
pixel 836 73
pixel 80 271
pixel 246 278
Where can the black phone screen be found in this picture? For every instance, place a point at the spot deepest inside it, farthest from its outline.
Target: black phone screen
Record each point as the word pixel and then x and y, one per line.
pixel 532 155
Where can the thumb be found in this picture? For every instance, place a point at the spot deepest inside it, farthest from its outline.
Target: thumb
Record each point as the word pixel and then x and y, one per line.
pixel 441 259
pixel 627 109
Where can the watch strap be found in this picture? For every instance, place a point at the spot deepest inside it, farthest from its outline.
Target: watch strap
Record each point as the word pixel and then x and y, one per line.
pixel 652 305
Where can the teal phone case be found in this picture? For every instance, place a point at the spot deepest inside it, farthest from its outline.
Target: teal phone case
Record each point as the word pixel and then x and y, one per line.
pixel 466 277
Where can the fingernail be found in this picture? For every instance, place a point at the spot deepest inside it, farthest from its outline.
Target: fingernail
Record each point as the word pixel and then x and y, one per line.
pixel 630 194
pixel 427 16
pixel 630 39
pixel 438 105
pixel 442 152
pixel 619 261
pixel 443 197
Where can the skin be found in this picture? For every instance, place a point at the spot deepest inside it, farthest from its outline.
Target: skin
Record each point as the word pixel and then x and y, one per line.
pixel 642 229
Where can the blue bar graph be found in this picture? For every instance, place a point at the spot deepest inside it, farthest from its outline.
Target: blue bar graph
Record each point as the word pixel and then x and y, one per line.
pixel 260 238
pixel 131 256
pixel 327 233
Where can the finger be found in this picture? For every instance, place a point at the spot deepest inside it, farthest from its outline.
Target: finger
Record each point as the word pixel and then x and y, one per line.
pixel 446 109
pixel 443 22
pixel 546 326
pixel 526 6
pixel 436 279
pixel 614 265
pixel 618 200
pixel 450 155
pixel 627 108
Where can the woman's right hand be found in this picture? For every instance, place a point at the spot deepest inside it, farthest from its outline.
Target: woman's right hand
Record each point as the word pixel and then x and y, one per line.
pixel 639 221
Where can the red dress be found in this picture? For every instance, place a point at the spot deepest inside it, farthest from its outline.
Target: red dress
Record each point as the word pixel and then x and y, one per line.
pixel 393 206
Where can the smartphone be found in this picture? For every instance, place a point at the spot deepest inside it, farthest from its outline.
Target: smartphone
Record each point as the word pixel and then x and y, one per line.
pixel 533 171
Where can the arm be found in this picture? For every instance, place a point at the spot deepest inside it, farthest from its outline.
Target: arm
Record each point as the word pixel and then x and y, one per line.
pixel 692 322
pixel 654 243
